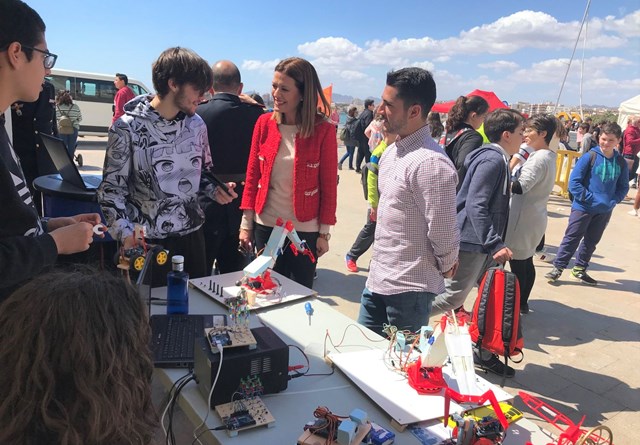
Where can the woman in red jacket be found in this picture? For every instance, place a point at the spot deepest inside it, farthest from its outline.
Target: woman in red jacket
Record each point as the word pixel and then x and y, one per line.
pixel 292 170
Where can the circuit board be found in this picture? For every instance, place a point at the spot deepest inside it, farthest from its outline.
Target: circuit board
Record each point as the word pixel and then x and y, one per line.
pixel 231 336
pixel 511 413
pixel 245 414
pixel 223 289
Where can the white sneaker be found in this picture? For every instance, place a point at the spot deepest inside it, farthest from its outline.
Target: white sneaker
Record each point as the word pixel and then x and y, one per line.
pixel 633 212
pixel 633 184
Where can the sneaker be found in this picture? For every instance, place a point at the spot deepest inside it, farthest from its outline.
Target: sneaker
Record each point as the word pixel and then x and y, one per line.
pixel 633 212
pixel 339 166
pixel 554 274
pixel 524 308
pixel 633 184
pixel 579 273
pixel 494 365
pixel 351 264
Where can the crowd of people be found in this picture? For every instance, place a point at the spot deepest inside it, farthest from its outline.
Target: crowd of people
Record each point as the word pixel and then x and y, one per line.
pixel 209 181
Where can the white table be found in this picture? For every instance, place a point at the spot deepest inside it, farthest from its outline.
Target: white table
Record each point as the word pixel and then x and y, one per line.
pixel 293 407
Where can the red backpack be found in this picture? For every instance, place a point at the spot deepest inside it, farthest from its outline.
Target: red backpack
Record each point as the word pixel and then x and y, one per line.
pixel 495 322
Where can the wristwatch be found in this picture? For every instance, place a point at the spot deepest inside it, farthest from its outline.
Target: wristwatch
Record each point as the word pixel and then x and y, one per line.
pixel 325 236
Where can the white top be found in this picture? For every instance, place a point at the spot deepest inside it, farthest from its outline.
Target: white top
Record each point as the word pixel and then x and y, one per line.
pixel 528 213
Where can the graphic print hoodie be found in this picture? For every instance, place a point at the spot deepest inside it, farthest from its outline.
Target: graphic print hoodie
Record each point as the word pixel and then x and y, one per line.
pixel 152 172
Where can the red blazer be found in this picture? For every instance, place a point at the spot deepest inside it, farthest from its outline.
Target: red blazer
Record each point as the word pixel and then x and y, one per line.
pixel 315 171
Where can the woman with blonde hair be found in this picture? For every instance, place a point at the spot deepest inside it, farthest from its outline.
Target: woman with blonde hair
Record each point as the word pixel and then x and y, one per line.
pixel 75 360
pixel 68 116
pixel 292 170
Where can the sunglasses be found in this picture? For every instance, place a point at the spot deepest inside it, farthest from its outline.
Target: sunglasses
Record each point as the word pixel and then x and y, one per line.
pixel 49 59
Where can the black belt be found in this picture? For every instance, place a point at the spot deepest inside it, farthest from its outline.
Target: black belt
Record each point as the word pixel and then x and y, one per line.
pixel 237 178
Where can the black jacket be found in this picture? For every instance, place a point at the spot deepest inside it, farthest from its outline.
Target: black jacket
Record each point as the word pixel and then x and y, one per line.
pixel 25 250
pixel 458 144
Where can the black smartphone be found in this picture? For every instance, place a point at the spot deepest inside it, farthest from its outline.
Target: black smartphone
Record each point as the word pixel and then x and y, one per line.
pixel 216 181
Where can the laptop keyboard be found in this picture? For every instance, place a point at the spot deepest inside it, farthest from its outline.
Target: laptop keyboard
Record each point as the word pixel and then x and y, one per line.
pixel 180 337
pixel 92 181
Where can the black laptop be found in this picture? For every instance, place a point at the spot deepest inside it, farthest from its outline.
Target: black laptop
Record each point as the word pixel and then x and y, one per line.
pixel 63 162
pixel 172 336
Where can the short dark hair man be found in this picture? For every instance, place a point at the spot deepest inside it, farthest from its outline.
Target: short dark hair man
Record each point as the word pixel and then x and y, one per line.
pixel 364 120
pixel 26 249
pixel 416 238
pixel 155 157
pixel 483 209
pixel 230 123
pixel 123 95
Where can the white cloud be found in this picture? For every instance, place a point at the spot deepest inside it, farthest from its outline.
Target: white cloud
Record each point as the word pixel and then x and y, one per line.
pixel 330 48
pixel 352 75
pixel 499 65
pixel 260 66
pixel 440 59
pixel 426 65
pixel 628 26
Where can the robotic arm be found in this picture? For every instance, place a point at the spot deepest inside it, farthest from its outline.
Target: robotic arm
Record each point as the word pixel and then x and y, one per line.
pixel 258 270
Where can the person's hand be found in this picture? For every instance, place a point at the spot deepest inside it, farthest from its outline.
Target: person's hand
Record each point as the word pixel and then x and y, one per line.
pixel 91 218
pixel 373 214
pixel 73 238
pixel 452 272
pixel 322 247
pixel 248 99
pixel 222 197
pixel 503 255
pixel 246 240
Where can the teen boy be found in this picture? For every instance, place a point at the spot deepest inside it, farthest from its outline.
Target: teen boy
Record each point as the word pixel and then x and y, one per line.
pixel 597 186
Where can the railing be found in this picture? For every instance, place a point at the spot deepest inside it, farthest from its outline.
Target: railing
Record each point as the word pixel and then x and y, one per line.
pixel 564 164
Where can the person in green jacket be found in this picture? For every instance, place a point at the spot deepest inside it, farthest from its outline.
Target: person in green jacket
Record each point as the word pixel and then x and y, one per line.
pixel 364 239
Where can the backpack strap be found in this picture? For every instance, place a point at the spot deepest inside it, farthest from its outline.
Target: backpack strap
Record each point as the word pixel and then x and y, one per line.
pixel 508 316
pixel 482 306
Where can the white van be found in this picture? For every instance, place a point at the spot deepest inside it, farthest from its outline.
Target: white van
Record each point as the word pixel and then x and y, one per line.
pixel 94 95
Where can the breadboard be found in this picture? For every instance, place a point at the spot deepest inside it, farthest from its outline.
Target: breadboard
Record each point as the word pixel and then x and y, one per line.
pixel 223 287
pixel 308 438
pixel 254 407
pixel 510 412
pixel 239 335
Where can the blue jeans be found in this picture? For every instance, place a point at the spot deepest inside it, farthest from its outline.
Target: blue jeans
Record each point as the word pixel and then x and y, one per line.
pixel 70 141
pixel 585 227
pixel 348 154
pixel 406 310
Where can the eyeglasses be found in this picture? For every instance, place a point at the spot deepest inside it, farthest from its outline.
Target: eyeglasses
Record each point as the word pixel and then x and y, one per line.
pixel 49 59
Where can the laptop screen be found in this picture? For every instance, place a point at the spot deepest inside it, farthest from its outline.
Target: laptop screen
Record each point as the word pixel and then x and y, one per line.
pixel 143 283
pixel 62 160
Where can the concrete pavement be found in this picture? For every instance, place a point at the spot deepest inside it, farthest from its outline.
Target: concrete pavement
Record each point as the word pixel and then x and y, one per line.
pixel 582 343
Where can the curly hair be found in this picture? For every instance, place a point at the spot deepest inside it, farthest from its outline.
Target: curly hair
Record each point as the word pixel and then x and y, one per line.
pixel 461 110
pixel 433 119
pixel 75 360
pixel 64 98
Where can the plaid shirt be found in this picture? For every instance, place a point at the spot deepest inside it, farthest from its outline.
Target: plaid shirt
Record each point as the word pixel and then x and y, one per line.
pixel 417 238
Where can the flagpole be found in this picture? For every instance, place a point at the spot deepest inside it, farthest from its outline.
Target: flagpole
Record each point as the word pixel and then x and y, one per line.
pixel 584 18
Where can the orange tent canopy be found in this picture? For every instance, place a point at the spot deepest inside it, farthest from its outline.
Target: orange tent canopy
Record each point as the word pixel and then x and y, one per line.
pixel 489 96
pixel 328 93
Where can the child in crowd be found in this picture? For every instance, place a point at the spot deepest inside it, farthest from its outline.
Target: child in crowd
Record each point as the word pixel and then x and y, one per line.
pixel 598 182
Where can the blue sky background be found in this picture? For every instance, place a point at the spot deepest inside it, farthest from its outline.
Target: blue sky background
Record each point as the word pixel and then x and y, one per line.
pixel 519 49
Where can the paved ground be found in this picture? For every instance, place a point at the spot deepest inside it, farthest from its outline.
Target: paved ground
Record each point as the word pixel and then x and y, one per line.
pixel 582 343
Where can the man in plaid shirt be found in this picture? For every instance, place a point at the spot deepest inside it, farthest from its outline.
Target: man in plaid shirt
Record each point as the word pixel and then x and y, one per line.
pixel 417 239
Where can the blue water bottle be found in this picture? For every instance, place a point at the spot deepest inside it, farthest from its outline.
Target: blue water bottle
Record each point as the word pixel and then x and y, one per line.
pixel 177 287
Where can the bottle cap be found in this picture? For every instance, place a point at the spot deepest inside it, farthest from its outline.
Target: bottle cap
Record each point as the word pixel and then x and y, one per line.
pixel 177 259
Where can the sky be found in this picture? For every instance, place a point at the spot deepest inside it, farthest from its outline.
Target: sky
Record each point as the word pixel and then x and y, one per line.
pixel 518 49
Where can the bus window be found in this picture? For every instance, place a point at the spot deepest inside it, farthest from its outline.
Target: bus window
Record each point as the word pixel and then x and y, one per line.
pixel 62 83
pixel 137 89
pixel 93 90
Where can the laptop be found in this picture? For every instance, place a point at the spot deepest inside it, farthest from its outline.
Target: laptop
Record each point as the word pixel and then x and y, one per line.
pixel 63 162
pixel 172 336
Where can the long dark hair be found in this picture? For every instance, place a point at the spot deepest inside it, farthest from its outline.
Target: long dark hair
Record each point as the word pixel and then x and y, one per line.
pixel 433 119
pixel 75 360
pixel 461 110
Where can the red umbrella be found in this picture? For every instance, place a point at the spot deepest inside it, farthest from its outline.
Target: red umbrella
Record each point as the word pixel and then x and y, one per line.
pixel 489 96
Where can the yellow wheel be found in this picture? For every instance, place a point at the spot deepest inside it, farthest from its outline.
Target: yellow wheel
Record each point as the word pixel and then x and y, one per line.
pixel 600 435
pixel 138 263
pixel 161 258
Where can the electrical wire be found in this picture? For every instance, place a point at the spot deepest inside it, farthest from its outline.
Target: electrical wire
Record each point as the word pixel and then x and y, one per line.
pixel 197 435
pixel 172 398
